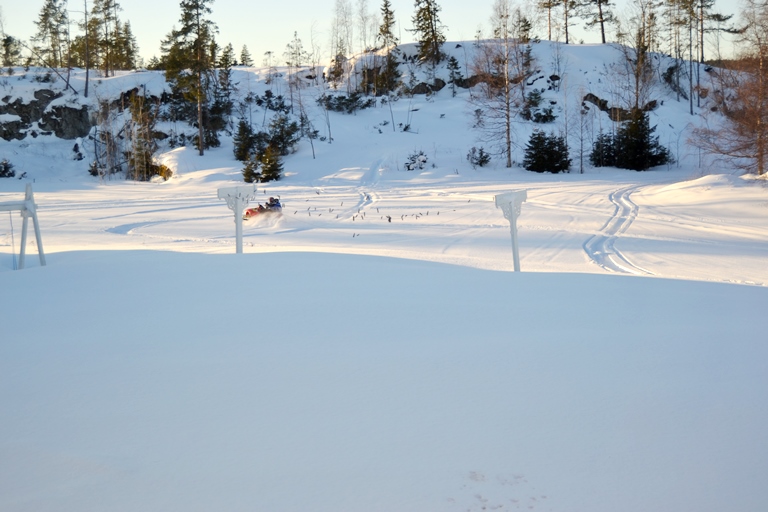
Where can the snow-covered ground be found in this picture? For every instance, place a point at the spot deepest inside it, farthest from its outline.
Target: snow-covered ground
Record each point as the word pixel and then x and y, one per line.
pixel 347 362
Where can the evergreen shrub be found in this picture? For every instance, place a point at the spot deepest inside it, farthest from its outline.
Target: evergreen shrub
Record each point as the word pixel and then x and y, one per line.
pixel 416 161
pixel 271 166
pixel 6 169
pixel 632 147
pixel 478 157
pixel 533 111
pixel 346 104
pixel 546 153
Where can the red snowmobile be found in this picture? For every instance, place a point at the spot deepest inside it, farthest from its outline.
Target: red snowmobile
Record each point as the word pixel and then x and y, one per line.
pixel 272 206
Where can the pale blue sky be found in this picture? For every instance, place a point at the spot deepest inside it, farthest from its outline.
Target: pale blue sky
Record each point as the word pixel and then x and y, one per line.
pixel 269 26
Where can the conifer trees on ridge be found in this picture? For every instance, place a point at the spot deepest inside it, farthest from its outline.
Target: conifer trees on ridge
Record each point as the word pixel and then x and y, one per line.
pixel 188 60
pixel 428 31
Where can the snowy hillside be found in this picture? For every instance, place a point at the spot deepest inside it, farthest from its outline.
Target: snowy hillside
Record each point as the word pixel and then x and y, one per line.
pixel 582 70
pixel 371 349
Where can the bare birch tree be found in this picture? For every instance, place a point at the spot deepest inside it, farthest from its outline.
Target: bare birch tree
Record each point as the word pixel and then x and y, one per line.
pixel 743 137
pixel 503 65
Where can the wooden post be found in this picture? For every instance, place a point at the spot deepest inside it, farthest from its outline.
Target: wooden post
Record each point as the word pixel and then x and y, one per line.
pixel 511 203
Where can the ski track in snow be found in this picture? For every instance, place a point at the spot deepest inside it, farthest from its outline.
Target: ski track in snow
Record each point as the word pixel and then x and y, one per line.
pixel 357 211
pixel 601 248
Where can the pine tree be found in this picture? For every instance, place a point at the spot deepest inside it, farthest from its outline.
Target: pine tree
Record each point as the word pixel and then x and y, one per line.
pixel 295 58
pixel 271 166
pixel 141 165
pixel 389 76
pixel 104 15
pixel 243 141
pixel 295 55
pixel 597 12
pixel 429 31
pixel 548 5
pixel 220 110
pixel 84 50
pixel 706 16
pixel 569 12
pixel 283 134
pixel 636 146
pixel 633 147
pixel 603 151
pixel 224 73
pixel 245 57
pixel 11 51
pixel 126 53
pixel 251 172
pixel 50 39
pixel 386 33
pixel 338 64
pixel 155 64
pixel 188 58
pixel 546 153
pixel 454 73
pixel 111 43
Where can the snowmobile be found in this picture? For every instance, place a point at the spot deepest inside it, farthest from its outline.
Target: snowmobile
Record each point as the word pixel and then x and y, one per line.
pixel 272 207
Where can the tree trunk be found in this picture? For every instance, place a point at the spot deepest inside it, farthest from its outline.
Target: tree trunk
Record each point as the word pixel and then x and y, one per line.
pixel 201 138
pixel 601 19
pixel 761 113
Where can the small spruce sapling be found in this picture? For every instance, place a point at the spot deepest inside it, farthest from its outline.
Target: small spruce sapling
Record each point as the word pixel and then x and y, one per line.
pixel 478 157
pixel 251 172
pixel 271 166
pixel 454 74
pixel 546 153
pixel 416 161
pixel 6 169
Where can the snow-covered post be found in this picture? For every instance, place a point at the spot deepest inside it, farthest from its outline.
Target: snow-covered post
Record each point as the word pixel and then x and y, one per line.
pixel 237 199
pixel 28 209
pixel 511 203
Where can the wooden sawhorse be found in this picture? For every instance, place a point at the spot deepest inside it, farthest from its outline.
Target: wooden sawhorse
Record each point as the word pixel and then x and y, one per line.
pixel 28 209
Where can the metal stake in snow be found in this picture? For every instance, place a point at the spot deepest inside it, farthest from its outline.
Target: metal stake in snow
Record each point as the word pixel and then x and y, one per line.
pixel 28 209
pixel 511 203
pixel 237 199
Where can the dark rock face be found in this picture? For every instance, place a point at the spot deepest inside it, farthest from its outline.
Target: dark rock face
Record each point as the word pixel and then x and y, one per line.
pixel 10 130
pixel 617 114
pixel 424 88
pixel 467 83
pixel 66 122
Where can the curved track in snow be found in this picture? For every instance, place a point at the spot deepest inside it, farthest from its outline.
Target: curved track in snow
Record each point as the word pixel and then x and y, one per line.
pixel 601 248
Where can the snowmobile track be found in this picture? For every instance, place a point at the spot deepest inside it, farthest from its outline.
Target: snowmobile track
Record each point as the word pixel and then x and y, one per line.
pixel 601 247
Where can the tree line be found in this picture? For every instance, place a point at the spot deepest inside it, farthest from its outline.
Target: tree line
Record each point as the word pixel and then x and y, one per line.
pixel 106 42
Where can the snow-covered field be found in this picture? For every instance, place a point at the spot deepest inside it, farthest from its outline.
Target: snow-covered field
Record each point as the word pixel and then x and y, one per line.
pixel 346 362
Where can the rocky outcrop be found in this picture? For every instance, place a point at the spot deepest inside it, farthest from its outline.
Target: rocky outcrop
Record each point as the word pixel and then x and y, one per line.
pixel 11 127
pixel 32 111
pixel 616 113
pixel 467 83
pixel 65 121
pixel 424 88
pixel 124 101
